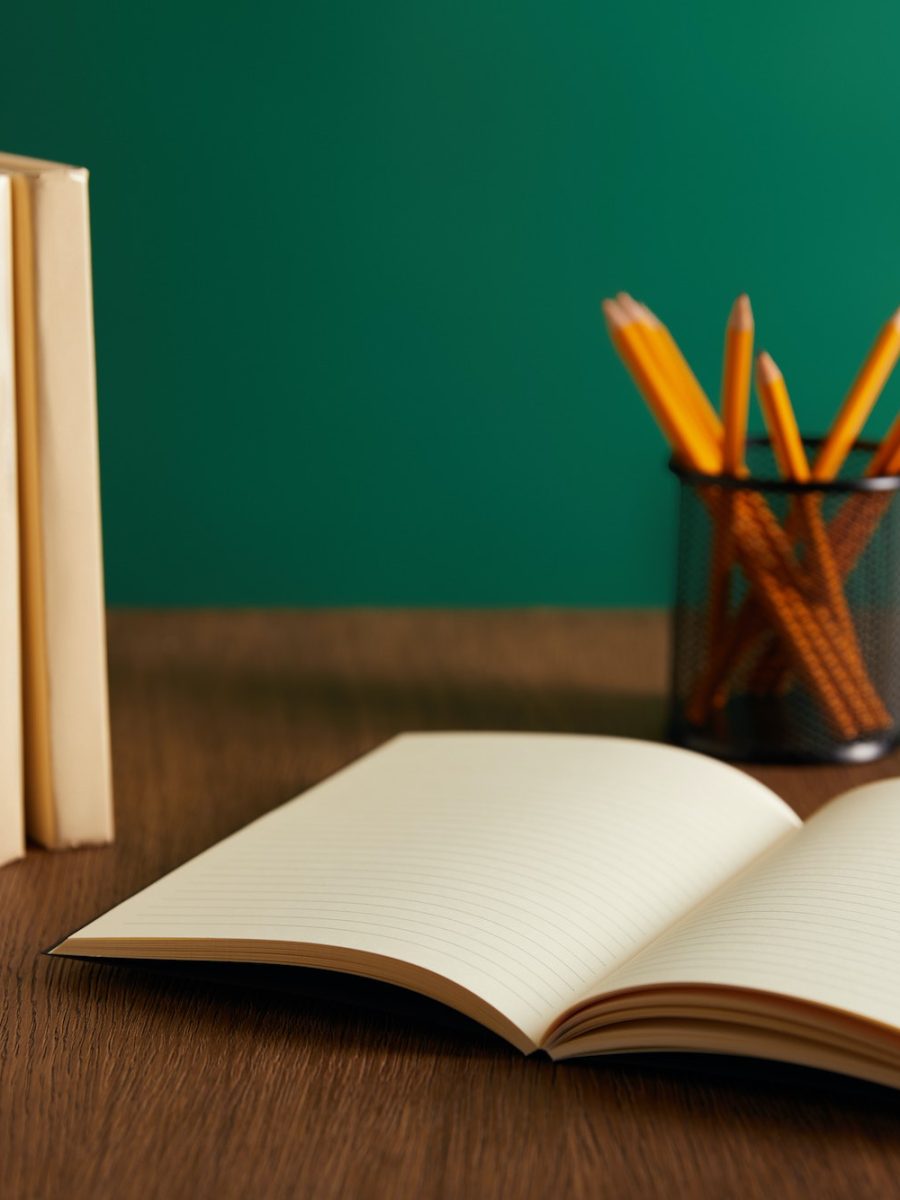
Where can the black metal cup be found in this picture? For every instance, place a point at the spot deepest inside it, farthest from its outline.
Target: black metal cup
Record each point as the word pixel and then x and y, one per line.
pixel 786 622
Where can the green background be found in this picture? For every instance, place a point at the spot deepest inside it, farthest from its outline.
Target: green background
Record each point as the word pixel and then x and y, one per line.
pixel 348 259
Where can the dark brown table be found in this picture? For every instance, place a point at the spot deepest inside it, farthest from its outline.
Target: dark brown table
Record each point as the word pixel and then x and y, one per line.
pixel 126 1082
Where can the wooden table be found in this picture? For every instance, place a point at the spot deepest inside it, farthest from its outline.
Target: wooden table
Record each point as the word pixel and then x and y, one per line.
pixel 121 1082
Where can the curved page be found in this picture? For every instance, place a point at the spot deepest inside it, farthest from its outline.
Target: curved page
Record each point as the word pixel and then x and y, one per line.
pixel 522 868
pixel 817 920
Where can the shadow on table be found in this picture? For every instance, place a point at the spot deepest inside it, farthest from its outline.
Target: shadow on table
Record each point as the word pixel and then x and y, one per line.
pixel 235 691
pixel 338 1010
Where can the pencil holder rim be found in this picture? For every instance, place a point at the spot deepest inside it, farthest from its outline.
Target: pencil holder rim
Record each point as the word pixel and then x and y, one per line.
pixel 758 483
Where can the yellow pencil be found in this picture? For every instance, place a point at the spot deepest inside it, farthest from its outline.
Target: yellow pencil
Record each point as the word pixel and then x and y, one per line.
pixel 683 377
pixel 780 421
pixel 866 389
pixel 853 527
pixel 736 372
pixel 832 550
pixel 886 459
pixel 757 533
pixel 690 442
pixel 791 457
pixel 637 315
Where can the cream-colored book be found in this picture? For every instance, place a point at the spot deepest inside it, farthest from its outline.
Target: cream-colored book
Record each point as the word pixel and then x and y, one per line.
pixel 68 792
pixel 12 822
pixel 578 895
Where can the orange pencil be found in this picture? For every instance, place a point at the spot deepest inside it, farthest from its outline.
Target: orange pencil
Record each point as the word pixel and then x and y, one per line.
pixel 833 452
pixel 637 315
pixel 797 621
pixel 683 377
pixel 689 440
pixel 780 420
pixel 866 389
pixel 736 371
pixel 683 384
pixel 791 456
pixel 886 459
pixel 853 527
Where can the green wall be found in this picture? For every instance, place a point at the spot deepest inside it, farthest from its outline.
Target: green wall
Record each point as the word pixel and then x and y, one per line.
pixel 348 258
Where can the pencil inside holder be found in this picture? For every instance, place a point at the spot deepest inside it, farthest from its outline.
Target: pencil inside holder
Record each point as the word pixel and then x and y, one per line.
pixel 786 623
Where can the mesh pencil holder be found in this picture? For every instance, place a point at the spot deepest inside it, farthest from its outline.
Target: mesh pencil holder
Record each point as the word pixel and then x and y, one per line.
pixel 786 624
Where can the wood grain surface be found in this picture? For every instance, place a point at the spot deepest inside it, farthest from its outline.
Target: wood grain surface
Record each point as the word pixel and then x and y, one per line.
pixel 130 1082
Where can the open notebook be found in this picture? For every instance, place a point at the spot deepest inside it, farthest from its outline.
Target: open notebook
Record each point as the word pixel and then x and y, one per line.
pixel 581 895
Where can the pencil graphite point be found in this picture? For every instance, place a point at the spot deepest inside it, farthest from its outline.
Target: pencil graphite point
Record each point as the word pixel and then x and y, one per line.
pixel 650 317
pixel 615 318
pixel 894 319
pixel 631 308
pixel 742 313
pixel 767 368
pixel 635 311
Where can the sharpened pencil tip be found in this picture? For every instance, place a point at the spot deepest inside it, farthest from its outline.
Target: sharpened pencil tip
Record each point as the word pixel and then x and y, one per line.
pixel 895 319
pixel 742 313
pixel 767 368
pixel 615 317
pixel 631 308
pixel 650 317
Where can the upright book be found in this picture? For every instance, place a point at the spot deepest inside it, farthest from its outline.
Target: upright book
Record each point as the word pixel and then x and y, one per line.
pixel 12 826
pixel 579 895
pixel 68 797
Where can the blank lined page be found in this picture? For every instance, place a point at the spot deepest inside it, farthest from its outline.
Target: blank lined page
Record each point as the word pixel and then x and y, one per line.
pixel 522 867
pixel 817 919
